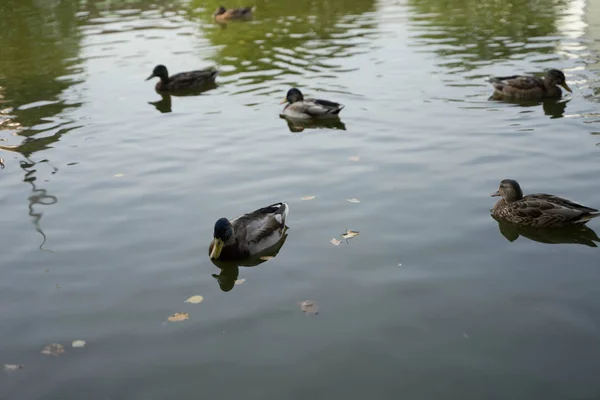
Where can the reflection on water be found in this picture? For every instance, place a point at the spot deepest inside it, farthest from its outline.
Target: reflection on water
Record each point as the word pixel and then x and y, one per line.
pixel 571 235
pixel 467 34
pixel 230 270
pixel 295 125
pixel 554 108
pixel 288 39
pixel 164 105
pixel 39 197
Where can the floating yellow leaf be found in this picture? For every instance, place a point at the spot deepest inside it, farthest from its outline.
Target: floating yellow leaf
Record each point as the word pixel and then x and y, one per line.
pixel 119 175
pixel 353 200
pixel 179 316
pixel 354 158
pixel 335 242
pixel 12 367
pixel 309 307
pixel 265 258
pixel 53 349
pixel 308 198
pixel 239 281
pixel 195 299
pixel 350 234
pixel 78 343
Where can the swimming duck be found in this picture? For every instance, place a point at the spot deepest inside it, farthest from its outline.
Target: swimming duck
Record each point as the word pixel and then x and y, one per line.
pixel 249 233
pixel 183 80
pixel 223 15
pixel 530 87
pixel 538 210
pixel 300 108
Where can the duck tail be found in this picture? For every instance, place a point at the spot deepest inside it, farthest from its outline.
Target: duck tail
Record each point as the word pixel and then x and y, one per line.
pixel 588 216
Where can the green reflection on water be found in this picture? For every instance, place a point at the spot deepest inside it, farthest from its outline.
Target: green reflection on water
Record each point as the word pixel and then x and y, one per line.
pixel 287 37
pixel 471 31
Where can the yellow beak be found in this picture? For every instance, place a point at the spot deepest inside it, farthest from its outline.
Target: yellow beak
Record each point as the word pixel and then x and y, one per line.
pixel 564 84
pixel 217 248
pixel 284 101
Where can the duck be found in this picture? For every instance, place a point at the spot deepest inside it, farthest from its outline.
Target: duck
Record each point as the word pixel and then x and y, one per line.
pixel 222 14
pixel 531 87
pixel 538 210
pixel 183 80
pixel 248 234
pixel 300 108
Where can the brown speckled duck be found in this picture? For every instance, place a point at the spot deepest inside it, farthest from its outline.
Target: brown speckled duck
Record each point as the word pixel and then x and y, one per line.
pixel 530 87
pixel 182 81
pixel 538 210
pixel 223 15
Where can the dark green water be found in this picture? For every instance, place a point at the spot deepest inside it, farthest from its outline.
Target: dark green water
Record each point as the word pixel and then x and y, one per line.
pixel 109 195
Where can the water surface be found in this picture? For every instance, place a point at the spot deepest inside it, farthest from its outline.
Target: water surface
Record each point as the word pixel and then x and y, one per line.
pixel 110 192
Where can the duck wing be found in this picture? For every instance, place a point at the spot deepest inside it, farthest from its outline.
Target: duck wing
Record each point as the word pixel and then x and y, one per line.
pixel 261 228
pixel 239 12
pixel 188 78
pixel 518 82
pixel 320 108
pixel 548 210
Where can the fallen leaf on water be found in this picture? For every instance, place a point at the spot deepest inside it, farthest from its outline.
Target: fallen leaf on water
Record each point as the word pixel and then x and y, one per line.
pixel 353 200
pixel 335 242
pixel 78 343
pixel 239 281
pixel 308 197
pixel 350 234
pixel 354 158
pixel 179 316
pixel 309 307
pixel 53 349
pixel 265 258
pixel 195 299
pixel 12 367
pixel 119 175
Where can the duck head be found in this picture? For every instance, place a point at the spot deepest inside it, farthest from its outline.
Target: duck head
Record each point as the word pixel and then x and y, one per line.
pixel 293 95
pixel 558 78
pixel 161 72
pixel 223 232
pixel 220 10
pixel 509 190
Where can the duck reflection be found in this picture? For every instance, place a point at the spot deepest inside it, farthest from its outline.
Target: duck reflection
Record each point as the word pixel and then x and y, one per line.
pixel 164 105
pixel 295 125
pixel 571 235
pixel 230 270
pixel 554 108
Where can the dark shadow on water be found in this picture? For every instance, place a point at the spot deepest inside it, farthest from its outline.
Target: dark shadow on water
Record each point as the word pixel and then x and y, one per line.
pixel 554 108
pixel 164 105
pixel 295 125
pixel 230 270
pixel 571 235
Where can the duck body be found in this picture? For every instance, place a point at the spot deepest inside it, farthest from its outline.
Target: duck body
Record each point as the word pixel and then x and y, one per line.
pixel 192 80
pixel 223 15
pixel 538 210
pixel 530 87
pixel 248 234
pixel 300 108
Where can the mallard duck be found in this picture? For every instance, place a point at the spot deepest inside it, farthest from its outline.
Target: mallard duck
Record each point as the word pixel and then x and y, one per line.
pixel 538 210
pixel 300 108
pixel 223 15
pixel 183 80
pixel 530 87
pixel 249 233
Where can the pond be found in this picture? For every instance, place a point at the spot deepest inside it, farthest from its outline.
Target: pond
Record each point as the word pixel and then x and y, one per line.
pixel 110 191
